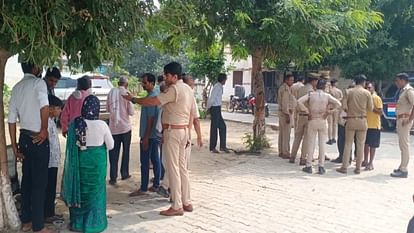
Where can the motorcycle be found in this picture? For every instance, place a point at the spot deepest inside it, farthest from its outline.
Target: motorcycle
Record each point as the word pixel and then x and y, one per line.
pixel 238 104
pixel 252 105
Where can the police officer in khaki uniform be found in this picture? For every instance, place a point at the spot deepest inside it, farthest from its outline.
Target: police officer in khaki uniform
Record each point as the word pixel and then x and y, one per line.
pixel 357 103
pixel 287 103
pixel 177 104
pixel 333 118
pixel 301 123
pixel 405 116
pixel 318 102
pixel 295 89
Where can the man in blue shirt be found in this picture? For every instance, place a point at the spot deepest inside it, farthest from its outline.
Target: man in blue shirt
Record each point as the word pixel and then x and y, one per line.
pixel 149 143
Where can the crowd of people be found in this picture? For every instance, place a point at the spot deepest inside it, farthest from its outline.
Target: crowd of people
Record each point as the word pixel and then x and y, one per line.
pixel 168 113
pixel 354 116
pixel 315 109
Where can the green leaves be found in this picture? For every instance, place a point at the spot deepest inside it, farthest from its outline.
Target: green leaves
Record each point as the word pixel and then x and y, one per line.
pixel 42 31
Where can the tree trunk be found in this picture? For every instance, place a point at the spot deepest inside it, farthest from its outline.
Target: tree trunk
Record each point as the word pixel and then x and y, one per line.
pixel 9 218
pixel 4 55
pixel 258 89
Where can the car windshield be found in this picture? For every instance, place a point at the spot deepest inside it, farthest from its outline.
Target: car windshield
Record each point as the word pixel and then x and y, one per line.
pixel 66 83
pixel 101 83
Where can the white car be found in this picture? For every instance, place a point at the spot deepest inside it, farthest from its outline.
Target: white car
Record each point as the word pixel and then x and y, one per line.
pixel 101 85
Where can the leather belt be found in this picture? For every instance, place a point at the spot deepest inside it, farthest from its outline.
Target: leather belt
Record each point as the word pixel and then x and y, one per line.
pixel 28 132
pixel 403 115
pixel 303 114
pixel 169 126
pixel 354 117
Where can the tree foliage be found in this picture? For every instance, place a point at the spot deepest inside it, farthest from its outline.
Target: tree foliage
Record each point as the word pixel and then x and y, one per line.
pixel 389 49
pixel 87 31
pixel 140 58
pixel 281 31
pixel 207 63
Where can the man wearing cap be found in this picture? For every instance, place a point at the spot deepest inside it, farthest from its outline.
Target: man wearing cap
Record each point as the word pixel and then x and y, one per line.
pixel 357 103
pixel 302 121
pixel 318 108
pixel 287 104
pixel 405 117
pixel 119 109
pixel 177 102
pixel 52 77
pixel 333 117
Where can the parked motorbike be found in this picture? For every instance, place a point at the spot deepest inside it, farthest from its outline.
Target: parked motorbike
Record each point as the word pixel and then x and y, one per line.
pixel 252 105
pixel 237 104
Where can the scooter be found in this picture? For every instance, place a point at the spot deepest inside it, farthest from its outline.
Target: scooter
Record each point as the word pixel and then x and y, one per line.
pixel 252 105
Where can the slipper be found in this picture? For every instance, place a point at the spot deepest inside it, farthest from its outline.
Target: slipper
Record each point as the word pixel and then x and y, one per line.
pixel 27 227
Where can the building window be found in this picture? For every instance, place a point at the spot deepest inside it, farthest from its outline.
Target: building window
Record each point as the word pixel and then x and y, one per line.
pixel 237 78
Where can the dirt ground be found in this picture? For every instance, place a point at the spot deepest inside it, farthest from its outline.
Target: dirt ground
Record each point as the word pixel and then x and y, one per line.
pixel 202 161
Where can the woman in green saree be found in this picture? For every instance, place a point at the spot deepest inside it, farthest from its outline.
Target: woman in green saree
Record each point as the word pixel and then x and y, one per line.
pixel 84 187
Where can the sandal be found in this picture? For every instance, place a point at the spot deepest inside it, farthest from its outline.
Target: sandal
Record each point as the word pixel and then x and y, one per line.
pixel 54 218
pixel 137 193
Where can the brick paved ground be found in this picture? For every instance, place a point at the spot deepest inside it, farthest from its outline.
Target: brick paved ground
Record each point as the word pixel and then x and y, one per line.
pixel 246 193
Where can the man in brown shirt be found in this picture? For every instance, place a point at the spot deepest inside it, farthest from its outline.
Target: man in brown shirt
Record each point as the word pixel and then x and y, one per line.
pixel 318 107
pixel 301 123
pixel 333 117
pixel 358 102
pixel 287 103
pixel 177 102
pixel 405 116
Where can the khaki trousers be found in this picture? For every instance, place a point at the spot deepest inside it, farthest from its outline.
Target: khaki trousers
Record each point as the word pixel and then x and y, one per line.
pixel 176 166
pixel 284 135
pixel 301 126
pixel 333 125
pixel 188 154
pixel 359 136
pixel 165 182
pixel 404 143
pixel 317 126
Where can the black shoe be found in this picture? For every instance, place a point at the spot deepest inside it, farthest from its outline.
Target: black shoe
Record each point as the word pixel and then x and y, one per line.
pixel 333 141
pixel 225 150
pixel 327 158
pixel 396 170
pixel 112 182
pixel 329 142
pixel 337 160
pixel 163 192
pixel 321 170
pixel 126 177
pixel 307 170
pixel 399 174
pixel 363 164
pixel 214 151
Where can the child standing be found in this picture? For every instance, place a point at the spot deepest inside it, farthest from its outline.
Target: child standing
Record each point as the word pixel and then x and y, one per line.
pixel 55 108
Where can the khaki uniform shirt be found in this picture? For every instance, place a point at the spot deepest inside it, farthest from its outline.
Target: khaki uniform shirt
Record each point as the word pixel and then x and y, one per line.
pixel 358 102
pixel 318 102
pixel 406 100
pixel 337 93
pixel 305 90
pixel 177 104
pixel 285 99
pixel 295 89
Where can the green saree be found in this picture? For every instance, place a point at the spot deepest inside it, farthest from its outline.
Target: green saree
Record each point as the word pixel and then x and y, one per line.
pixel 84 187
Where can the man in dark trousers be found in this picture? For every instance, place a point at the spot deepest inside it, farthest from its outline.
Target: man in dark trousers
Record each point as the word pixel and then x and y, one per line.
pixel 217 121
pixel 29 103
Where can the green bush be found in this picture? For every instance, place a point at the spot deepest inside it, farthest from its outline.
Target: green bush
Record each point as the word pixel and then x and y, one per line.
pixel 255 144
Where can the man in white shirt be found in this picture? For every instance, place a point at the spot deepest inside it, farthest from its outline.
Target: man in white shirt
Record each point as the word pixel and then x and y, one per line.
pixel 217 121
pixel 29 103
pixel 120 109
